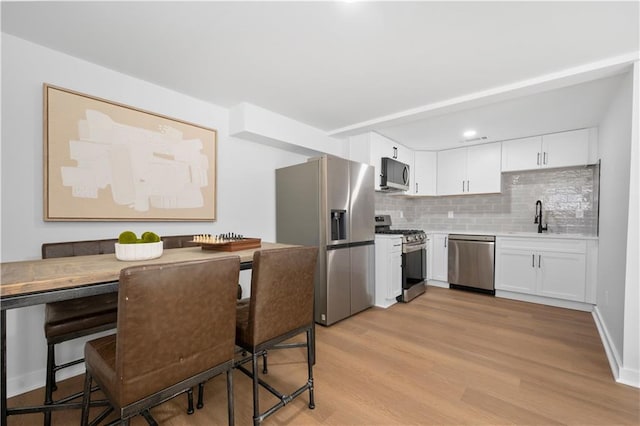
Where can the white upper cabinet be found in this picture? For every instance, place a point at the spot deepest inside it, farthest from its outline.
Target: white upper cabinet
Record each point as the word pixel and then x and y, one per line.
pixel 424 173
pixel 370 147
pixel 483 168
pixel 472 170
pixel 452 171
pixel 565 149
pixel 521 154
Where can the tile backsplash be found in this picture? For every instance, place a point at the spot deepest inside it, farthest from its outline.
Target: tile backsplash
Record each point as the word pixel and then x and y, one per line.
pixel 565 194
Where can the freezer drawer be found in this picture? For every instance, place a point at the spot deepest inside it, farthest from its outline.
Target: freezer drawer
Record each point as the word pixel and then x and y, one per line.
pixel 337 304
pixel 362 277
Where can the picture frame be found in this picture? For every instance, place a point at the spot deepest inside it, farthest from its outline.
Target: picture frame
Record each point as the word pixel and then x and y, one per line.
pixel 106 161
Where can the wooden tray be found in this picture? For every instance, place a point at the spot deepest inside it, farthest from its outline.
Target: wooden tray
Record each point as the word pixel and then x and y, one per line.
pixel 235 245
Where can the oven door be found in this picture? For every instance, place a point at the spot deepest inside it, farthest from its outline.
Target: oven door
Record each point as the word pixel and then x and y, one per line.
pixel 414 266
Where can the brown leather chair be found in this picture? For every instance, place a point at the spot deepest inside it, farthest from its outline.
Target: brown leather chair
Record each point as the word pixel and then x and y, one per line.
pixel 71 319
pixel 280 307
pixel 151 358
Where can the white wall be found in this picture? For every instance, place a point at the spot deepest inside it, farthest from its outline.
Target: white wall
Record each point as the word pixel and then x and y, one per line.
pixel 615 149
pixel 630 371
pixel 246 179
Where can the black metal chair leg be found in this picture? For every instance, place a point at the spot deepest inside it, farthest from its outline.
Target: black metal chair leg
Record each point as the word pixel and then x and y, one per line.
pixel 50 386
pixel 149 418
pixel 200 396
pixel 53 368
pixel 86 399
pixel 256 408
pixel 230 410
pixel 310 360
pixel 190 409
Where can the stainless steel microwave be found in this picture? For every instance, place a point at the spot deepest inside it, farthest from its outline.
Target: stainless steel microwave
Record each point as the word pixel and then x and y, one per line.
pixel 394 175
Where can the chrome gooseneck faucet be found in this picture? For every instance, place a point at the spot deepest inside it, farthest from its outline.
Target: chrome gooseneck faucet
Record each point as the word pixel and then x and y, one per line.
pixel 538 218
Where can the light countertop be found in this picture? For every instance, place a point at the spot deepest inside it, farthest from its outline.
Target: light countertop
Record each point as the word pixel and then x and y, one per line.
pixel 550 235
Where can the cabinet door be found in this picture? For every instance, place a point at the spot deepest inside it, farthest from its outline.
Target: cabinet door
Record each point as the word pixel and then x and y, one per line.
pixel 440 257
pixel 566 149
pixel 377 149
pixel 483 168
pixel 425 171
pixel 521 154
pixel 429 257
pixel 562 275
pixel 452 171
pixel 404 154
pixel 516 270
pixel 395 289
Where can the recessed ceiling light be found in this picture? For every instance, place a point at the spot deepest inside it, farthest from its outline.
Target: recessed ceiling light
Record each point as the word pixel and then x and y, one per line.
pixel 469 133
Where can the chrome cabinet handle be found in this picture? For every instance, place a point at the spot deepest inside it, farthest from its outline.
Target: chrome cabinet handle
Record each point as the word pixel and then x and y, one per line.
pixel 445 241
pixel 544 158
pixel 467 186
pixel 395 152
pixel 538 160
pixel 533 260
pixel 462 186
pixel 416 187
pixel 539 259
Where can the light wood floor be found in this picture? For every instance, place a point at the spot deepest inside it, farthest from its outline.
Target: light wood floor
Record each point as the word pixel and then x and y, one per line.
pixel 447 358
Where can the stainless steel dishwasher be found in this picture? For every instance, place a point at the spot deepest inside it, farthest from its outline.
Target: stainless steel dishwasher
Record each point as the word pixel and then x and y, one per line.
pixel 472 262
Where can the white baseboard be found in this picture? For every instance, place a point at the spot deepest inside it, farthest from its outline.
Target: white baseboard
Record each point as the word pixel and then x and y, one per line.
pixel 629 377
pixel 625 376
pixel 436 283
pixel 609 348
pixel 549 301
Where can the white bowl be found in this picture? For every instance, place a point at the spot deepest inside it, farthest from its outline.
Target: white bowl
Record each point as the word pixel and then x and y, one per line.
pixel 138 251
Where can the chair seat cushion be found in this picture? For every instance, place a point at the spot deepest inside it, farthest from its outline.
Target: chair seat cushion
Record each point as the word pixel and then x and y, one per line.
pixel 100 356
pixel 79 317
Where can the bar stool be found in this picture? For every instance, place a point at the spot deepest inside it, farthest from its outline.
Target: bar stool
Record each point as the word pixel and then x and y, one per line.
pixel 152 359
pixel 280 307
pixel 70 319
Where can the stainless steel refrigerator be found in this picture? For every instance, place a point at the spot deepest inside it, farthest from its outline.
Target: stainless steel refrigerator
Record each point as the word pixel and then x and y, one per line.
pixel 329 202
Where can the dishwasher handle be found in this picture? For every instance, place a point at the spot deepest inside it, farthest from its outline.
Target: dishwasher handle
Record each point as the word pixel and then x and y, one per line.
pixel 474 238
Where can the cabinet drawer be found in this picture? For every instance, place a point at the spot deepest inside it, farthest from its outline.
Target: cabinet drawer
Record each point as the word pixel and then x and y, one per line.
pixel 541 244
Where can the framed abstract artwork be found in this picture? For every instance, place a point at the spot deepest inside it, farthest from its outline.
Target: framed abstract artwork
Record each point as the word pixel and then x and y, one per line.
pixel 104 161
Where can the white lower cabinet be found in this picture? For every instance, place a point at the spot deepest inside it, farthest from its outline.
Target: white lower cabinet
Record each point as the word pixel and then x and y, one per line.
pixel 438 252
pixel 388 269
pixel 551 268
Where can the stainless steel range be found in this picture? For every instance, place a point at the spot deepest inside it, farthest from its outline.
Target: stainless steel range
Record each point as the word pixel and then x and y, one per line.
pixel 414 257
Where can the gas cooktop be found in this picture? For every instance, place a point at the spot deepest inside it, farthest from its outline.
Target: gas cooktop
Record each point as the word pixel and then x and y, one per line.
pixel 383 226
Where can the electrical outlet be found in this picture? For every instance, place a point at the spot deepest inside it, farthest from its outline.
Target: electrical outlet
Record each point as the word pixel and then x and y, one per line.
pixel 579 214
pixel 450 216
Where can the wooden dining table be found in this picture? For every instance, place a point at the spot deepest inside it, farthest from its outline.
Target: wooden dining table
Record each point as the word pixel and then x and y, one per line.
pixel 35 282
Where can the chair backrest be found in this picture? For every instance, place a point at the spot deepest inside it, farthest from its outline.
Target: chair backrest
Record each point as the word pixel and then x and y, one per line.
pixel 175 320
pixel 78 248
pixel 282 285
pixel 86 248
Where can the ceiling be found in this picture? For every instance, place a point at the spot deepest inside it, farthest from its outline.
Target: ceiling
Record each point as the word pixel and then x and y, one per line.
pixel 417 72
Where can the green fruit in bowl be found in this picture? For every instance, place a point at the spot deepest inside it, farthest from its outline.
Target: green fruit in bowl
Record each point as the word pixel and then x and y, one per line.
pixel 150 237
pixel 128 237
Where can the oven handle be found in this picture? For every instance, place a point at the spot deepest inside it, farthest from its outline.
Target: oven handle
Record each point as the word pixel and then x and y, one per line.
pixel 409 249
